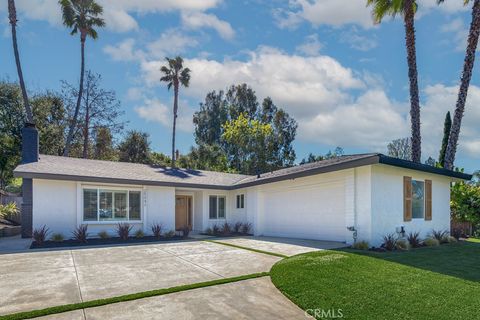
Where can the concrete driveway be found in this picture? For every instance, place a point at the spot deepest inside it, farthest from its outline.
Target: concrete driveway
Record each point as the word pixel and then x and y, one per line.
pixel 35 280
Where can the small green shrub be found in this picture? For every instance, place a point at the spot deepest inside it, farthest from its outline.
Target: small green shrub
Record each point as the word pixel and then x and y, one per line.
pixel 215 230
pixel 139 234
pixel 237 227
pixel 123 230
pixel 361 245
pixel 103 235
pixel 170 234
pixel 246 228
pixel 157 230
pixel 57 237
pixel 440 235
pixel 431 242
pixel 226 229
pixel 414 239
pixel 389 242
pixel 40 235
pixel 9 211
pixel 451 239
pixel 403 245
pixel 80 233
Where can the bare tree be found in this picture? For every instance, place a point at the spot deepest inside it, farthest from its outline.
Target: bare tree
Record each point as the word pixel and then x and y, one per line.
pixel 400 148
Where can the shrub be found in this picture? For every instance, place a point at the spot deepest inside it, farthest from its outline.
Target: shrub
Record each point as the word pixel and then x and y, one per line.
pixel 80 233
pixel 237 227
pixel 389 242
pixel 139 233
pixel 403 245
pixel 9 211
pixel 458 233
pixel 123 230
pixel 414 239
pixel 40 235
pixel 226 229
pixel 431 242
pixel 215 230
pixel 185 231
pixel 361 245
pixel 209 231
pixel 246 228
pixel 170 234
pixel 440 235
pixel 103 234
pixel 57 237
pixel 157 230
pixel 451 239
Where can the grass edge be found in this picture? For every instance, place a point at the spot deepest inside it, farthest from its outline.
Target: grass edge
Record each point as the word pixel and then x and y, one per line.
pixel 247 248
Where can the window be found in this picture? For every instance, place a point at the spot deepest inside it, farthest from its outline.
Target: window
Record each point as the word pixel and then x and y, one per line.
pixel 111 205
pixel 217 207
pixel 418 199
pixel 240 201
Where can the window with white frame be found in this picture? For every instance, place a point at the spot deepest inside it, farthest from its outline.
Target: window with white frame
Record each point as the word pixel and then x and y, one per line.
pixel 418 199
pixel 111 205
pixel 217 205
pixel 240 201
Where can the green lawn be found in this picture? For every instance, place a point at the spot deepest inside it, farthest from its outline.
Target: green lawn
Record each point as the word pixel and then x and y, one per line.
pixel 427 283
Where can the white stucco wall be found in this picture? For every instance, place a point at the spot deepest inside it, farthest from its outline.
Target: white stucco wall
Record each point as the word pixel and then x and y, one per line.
pixel 387 202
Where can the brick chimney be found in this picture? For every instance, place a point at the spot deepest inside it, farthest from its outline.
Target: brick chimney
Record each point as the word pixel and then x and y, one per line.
pixel 29 154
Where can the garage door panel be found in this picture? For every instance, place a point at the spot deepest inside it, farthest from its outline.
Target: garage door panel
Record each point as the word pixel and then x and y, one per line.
pixel 310 212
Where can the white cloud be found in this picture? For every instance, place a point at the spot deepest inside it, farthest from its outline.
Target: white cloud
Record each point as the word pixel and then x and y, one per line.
pixel 117 13
pixel 124 51
pixel 195 20
pixel 170 42
pixel 460 33
pixel 153 110
pixel 311 46
pixel 357 41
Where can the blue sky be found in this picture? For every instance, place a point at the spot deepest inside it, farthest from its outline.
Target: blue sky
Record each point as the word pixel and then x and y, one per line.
pixel 341 77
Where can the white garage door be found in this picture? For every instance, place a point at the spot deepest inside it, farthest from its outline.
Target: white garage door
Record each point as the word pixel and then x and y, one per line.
pixel 305 211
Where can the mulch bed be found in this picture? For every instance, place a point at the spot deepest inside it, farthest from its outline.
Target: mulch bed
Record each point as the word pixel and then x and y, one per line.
pixel 100 242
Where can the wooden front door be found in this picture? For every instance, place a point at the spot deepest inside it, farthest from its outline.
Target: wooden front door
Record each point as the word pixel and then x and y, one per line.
pixel 183 212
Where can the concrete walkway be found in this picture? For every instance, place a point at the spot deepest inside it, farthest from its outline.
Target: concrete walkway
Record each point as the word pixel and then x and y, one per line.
pixel 36 280
pixel 249 299
pixel 285 246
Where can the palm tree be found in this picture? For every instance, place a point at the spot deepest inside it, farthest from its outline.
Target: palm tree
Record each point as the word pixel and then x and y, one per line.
pixel 407 9
pixel 82 16
pixel 12 16
pixel 175 75
pixel 464 84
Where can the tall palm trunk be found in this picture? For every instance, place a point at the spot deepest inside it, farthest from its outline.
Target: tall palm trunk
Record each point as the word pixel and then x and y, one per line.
pixel 412 76
pixel 86 132
pixel 464 84
pixel 12 15
pixel 175 110
pixel 73 124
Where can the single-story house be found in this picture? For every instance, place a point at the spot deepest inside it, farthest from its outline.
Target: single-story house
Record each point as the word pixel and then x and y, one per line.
pixel 367 195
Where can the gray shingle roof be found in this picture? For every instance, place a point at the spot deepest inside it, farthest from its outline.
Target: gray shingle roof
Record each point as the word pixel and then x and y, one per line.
pixel 54 167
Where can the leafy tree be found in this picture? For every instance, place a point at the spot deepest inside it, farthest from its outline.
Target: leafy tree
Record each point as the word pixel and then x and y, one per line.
pixel 160 159
pixel 465 202
pixel 464 84
pixel 12 16
pixel 407 9
pixel 446 133
pixel 82 16
pixel 135 147
pixel 9 159
pixel 175 75
pixel 251 139
pixel 338 152
pixel 431 162
pixel 206 157
pixel 220 108
pixel 400 148
pixel 103 147
pixel 99 108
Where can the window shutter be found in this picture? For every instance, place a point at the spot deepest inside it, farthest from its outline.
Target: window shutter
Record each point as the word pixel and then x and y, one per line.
pixel 428 199
pixel 407 198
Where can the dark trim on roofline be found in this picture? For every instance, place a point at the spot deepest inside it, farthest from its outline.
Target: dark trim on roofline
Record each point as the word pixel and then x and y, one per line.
pixel 374 159
pixel 422 167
